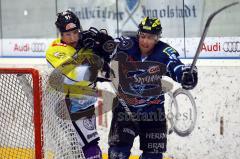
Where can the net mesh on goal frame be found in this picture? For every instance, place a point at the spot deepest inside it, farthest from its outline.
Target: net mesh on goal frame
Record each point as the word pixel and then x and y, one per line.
pixel 34 120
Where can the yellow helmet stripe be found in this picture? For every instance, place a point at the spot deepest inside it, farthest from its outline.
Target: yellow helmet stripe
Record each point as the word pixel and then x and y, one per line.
pixel 156 23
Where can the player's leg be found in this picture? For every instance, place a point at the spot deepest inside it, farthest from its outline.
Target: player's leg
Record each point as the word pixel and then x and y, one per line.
pixel 149 155
pixel 92 151
pixel 121 135
pixel 84 122
pixel 88 136
pixel 153 133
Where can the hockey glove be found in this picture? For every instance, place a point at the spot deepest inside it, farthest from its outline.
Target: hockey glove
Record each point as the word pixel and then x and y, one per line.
pixel 102 43
pixel 189 80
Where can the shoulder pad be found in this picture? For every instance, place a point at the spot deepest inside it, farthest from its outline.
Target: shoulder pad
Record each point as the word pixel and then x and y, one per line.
pixel 171 52
pixel 58 53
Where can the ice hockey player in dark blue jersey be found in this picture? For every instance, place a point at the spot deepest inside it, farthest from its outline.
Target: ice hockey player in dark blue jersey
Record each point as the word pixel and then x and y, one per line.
pixel 143 60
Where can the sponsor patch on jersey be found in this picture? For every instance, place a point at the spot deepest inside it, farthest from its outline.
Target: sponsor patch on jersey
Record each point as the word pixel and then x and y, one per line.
pixel 170 51
pixel 154 69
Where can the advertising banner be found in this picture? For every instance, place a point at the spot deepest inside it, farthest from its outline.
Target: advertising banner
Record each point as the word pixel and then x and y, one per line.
pixel 25 47
pixel 213 47
pixel 1 47
pixel 117 16
pixel 125 15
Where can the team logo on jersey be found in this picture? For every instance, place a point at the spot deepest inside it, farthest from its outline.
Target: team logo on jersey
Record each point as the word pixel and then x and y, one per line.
pixel 142 79
pixel 59 55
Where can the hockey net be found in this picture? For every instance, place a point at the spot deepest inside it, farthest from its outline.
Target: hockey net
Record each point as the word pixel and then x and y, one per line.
pixel 34 120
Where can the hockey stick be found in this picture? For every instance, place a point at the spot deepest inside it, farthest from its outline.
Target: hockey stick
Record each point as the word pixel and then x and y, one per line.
pixel 125 106
pixel 210 18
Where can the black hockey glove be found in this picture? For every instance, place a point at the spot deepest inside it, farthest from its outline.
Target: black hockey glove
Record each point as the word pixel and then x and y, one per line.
pixel 102 43
pixel 105 43
pixel 189 80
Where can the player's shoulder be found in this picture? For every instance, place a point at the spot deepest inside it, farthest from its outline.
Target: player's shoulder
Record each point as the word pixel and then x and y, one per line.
pixel 57 42
pixel 57 49
pixel 166 49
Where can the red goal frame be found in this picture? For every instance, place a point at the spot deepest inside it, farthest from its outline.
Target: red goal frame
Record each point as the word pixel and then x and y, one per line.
pixel 37 104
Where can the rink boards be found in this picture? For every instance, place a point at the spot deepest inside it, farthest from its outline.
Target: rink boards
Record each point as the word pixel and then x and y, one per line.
pixel 217 99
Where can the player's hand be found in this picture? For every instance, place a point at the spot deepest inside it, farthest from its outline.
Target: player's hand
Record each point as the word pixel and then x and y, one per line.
pixel 189 80
pixel 98 40
pixel 105 45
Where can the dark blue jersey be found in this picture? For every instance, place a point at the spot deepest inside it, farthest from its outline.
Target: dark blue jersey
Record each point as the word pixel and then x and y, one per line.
pixel 162 53
pixel 142 78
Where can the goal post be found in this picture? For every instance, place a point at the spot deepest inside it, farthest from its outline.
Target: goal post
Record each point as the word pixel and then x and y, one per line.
pixel 36 101
pixel 34 121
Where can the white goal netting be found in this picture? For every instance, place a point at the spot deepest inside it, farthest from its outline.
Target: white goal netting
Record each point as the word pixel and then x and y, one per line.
pixel 19 137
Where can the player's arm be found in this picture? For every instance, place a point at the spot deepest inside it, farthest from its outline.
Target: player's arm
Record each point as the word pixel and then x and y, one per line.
pixel 178 71
pixel 103 45
pixel 60 57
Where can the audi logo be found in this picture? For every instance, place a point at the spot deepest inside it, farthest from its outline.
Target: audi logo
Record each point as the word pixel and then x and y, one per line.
pixel 231 46
pixel 38 47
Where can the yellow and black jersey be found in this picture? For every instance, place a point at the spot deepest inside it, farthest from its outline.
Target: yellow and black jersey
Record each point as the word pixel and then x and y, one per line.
pixel 79 67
